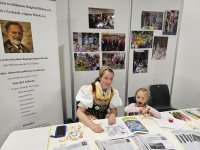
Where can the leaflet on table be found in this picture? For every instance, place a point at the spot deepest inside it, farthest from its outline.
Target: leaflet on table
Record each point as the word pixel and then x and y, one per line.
pixel 76 146
pixel 117 130
pixel 134 125
pixel 74 133
pixel 189 139
pixel 152 142
pixel 115 144
pixel 165 121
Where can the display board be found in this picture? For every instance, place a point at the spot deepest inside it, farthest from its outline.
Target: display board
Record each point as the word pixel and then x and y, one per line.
pixel 186 89
pixel 30 91
pixel 152 56
pixel 91 24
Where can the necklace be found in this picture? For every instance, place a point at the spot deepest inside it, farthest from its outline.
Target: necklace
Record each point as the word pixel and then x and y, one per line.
pixel 104 92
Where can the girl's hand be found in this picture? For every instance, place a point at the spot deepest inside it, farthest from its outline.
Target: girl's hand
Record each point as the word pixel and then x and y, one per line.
pixel 111 119
pixel 146 110
pixel 141 110
pixel 97 128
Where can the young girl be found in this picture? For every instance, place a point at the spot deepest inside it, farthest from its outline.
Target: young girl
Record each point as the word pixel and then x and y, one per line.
pixel 142 96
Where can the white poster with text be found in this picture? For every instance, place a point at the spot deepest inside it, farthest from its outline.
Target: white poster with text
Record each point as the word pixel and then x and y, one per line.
pixel 30 91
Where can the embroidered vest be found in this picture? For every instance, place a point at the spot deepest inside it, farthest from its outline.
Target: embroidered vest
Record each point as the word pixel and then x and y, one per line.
pixel 101 102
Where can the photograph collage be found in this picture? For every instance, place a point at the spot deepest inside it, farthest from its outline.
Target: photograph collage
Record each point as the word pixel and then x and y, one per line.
pixel 93 49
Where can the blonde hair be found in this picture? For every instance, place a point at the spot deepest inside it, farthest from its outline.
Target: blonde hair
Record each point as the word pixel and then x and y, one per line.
pixel 144 90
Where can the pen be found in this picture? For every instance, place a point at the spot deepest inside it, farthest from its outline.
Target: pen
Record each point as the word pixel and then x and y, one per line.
pixel 192 114
pixel 186 117
pixel 176 115
pixel 181 116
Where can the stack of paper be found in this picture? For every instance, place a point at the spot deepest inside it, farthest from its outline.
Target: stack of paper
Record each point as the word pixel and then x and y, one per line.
pixel 115 144
pixel 152 142
pixel 189 139
pixel 76 146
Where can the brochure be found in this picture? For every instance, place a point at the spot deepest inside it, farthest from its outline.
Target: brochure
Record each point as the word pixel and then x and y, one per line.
pixel 134 125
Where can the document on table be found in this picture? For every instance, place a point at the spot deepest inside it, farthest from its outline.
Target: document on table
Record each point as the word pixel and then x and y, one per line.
pixel 115 144
pixel 152 142
pixel 189 139
pixel 165 123
pixel 76 146
pixel 117 130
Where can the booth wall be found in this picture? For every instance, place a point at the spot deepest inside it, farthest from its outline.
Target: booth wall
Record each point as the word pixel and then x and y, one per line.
pixel 159 71
pixel 185 91
pixel 64 56
pixel 79 23
pixel 186 87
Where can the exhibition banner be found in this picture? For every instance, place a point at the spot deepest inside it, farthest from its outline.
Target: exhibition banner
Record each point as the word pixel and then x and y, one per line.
pixel 30 90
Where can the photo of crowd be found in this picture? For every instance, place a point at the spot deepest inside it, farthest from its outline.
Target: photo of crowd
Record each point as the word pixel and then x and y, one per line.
pixel 113 42
pixel 141 39
pixel 151 20
pixel 85 42
pixel 170 22
pixel 101 18
pixel 140 61
pixel 86 61
pixel 114 60
pixel 159 48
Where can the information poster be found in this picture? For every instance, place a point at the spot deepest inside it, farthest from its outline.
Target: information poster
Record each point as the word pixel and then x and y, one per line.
pixel 30 91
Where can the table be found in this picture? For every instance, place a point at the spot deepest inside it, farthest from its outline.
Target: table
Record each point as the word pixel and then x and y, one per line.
pixel 39 138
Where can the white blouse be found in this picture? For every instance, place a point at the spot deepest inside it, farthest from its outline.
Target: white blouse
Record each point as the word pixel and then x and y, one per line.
pixel 85 96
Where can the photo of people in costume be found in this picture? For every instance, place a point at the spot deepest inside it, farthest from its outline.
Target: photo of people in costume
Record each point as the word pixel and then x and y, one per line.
pixel 141 39
pixel 85 42
pixel 114 60
pixel 170 22
pixel 151 20
pixel 140 61
pixel 86 61
pixel 159 47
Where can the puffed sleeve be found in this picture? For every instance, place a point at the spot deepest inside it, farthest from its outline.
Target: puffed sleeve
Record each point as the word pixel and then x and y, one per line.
pixel 85 96
pixel 116 100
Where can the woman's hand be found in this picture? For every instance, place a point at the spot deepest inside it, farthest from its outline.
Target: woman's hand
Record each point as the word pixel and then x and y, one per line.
pixel 111 119
pixel 97 128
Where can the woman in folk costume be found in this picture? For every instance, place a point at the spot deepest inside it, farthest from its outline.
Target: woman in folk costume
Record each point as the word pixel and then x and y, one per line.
pixel 98 100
